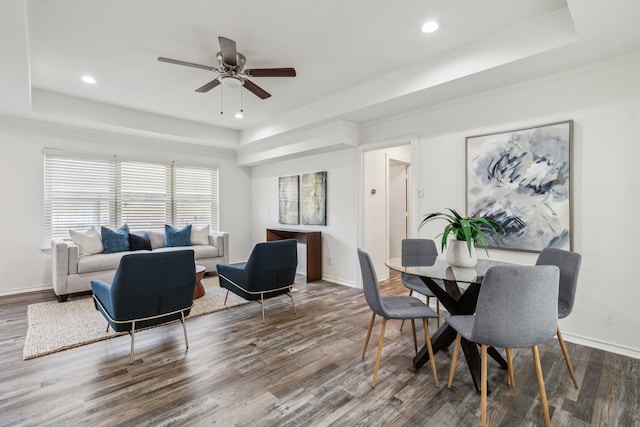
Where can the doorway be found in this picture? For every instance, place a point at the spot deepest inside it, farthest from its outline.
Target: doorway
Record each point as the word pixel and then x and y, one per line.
pixel 387 203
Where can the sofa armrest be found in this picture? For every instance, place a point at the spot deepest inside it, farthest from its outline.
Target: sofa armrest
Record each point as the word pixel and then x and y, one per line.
pixel 59 265
pixel 220 239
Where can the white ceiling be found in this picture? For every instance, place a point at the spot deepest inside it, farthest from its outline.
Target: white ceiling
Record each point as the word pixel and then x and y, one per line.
pixel 356 60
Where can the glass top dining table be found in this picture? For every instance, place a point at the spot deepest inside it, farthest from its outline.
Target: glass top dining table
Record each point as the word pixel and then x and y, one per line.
pixel 457 290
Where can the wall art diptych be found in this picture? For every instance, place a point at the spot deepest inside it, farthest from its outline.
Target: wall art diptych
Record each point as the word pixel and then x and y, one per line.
pixel 288 189
pixel 522 180
pixel 313 191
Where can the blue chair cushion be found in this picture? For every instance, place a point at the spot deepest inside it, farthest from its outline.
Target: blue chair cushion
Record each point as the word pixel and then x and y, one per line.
pixel 115 240
pixel 139 242
pixel 174 236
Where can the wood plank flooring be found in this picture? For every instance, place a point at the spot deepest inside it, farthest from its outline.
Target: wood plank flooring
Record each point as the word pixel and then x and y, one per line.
pixel 295 370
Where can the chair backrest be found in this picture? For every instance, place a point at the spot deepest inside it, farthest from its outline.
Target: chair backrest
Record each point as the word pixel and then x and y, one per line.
pixel 414 249
pixel 370 284
pixel 569 264
pixel 419 247
pixel 517 306
pixel 149 284
pixel 272 265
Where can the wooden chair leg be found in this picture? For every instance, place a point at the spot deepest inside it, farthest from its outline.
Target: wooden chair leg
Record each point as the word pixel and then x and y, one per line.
pixel 567 359
pixel 510 378
pixel 543 393
pixel 292 304
pixel 415 341
pixel 454 359
pixel 483 385
pixel 380 341
pixel 366 342
pixel 427 341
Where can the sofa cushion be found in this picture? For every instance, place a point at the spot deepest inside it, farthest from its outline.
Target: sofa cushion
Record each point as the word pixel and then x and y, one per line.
pixel 139 242
pixel 115 240
pixel 99 262
pixel 200 236
pixel 89 243
pixel 200 251
pixel 156 238
pixel 177 236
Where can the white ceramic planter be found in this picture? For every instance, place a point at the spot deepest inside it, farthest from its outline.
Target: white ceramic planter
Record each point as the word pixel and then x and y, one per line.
pixel 458 254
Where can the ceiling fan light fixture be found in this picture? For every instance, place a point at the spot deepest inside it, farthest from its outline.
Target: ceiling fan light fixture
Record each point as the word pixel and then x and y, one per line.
pixel 230 81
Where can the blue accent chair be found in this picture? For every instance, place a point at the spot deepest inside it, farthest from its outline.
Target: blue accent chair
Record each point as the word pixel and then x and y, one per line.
pixel 269 272
pixel 148 289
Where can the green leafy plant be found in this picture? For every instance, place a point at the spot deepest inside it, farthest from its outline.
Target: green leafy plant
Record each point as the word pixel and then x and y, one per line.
pixel 470 230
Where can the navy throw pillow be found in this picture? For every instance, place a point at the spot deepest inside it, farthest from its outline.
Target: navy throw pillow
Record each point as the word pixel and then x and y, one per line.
pixel 174 236
pixel 139 243
pixel 115 240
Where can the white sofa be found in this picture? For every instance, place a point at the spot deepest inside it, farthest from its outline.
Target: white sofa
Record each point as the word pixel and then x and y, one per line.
pixel 73 273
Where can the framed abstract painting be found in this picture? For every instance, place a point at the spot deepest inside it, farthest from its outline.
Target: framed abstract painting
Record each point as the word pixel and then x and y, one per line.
pixel 288 199
pixel 313 190
pixel 522 180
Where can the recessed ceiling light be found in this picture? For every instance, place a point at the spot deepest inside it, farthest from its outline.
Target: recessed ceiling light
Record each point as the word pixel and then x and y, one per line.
pixel 90 80
pixel 239 115
pixel 430 27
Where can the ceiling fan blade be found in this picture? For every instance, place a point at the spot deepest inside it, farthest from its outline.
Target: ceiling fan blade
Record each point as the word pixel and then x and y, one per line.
pixel 229 52
pixel 206 88
pixel 188 64
pixel 256 90
pixel 271 72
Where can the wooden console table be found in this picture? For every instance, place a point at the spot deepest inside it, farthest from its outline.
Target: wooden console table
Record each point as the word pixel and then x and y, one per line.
pixel 311 239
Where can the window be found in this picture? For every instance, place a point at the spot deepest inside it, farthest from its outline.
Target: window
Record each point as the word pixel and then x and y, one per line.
pixel 80 193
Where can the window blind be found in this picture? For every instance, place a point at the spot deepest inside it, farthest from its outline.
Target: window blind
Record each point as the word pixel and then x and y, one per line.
pixel 81 193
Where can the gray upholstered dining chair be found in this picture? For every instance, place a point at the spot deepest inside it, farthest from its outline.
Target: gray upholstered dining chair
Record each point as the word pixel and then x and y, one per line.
pixel 392 307
pixel 517 308
pixel 417 248
pixel 569 265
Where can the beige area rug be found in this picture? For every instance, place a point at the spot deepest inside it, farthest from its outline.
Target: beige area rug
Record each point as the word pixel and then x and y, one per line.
pixel 55 326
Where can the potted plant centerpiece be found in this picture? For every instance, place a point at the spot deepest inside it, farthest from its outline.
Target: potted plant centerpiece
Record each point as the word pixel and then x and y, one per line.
pixel 467 232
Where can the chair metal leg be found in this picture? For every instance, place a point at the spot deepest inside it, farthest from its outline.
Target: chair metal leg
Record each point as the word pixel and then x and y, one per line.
pixel 262 305
pixel 567 359
pixel 454 359
pixel 427 341
pixel 380 341
pixel 184 328
pixel 438 311
pixel 107 329
pixel 543 393
pixel 294 306
pixel 483 384
pixel 133 339
pixel 415 341
pixel 366 341
pixel 226 296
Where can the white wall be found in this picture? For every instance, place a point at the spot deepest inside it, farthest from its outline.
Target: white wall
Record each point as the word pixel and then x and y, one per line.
pixel 339 262
pixel 23 264
pixel 604 102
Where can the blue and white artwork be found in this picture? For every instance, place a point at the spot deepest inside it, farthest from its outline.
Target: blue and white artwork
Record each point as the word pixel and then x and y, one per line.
pixel 521 179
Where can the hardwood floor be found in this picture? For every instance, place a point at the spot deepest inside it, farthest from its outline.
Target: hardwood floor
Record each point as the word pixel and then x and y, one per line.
pixel 295 370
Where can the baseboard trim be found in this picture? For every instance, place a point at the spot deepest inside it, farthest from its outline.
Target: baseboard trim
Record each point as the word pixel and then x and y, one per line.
pixel 26 289
pixel 340 281
pixel 602 345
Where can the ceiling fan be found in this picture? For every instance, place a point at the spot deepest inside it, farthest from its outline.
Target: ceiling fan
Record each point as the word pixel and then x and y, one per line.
pixel 232 71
